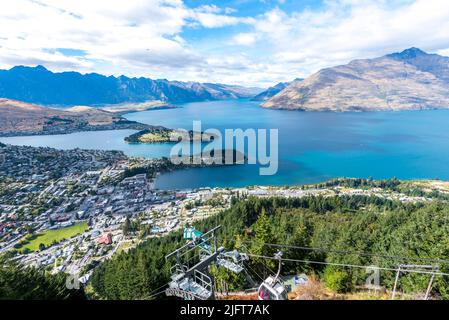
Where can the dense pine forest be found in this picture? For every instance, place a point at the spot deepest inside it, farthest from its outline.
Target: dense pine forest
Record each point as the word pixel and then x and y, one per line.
pixel 27 283
pixel 356 230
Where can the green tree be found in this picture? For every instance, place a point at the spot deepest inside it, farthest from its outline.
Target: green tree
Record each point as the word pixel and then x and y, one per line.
pixel 336 280
pixel 333 226
pixel 27 283
pixel 263 236
pixel 234 281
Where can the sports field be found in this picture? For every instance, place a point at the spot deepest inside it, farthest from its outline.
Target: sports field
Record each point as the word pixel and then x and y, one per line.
pixel 50 236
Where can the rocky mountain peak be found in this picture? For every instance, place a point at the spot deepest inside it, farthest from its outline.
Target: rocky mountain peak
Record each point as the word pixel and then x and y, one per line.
pixel 408 80
pixel 407 54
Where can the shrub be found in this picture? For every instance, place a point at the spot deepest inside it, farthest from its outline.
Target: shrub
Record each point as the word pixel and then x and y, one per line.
pixel 336 280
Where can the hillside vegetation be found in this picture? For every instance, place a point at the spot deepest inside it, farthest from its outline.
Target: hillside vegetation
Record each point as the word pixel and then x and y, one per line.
pixel 27 283
pixel 388 232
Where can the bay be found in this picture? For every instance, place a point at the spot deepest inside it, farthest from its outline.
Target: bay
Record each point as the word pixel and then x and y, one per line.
pixel 313 146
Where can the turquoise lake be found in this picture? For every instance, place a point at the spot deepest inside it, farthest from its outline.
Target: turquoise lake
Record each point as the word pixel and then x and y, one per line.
pixel 313 147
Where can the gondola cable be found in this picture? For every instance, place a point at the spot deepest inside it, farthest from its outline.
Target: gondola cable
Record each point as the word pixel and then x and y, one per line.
pixel 344 252
pixel 437 273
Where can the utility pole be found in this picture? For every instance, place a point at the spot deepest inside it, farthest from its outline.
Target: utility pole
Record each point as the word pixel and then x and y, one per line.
pixel 429 287
pixel 415 268
pixel 396 283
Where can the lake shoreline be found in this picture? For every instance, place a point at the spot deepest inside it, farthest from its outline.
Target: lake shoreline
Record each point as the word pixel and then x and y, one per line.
pixel 313 146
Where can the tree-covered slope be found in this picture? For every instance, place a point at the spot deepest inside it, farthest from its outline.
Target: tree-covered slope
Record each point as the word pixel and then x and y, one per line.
pixel 356 230
pixel 20 283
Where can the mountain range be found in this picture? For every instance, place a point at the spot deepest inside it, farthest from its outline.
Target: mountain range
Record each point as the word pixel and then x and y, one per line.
pixel 41 86
pixel 409 80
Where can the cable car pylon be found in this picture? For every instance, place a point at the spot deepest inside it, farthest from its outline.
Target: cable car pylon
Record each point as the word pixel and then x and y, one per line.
pixel 196 283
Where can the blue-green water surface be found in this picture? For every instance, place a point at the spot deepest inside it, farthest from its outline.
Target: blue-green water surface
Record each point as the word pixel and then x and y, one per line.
pixel 313 146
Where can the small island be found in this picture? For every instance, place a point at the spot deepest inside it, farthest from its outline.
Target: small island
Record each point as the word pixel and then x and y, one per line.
pixel 164 135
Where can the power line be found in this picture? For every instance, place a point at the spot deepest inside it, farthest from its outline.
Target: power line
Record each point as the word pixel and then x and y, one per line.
pixel 153 295
pixel 349 265
pixel 265 266
pixel 343 251
pixel 156 294
pixel 247 265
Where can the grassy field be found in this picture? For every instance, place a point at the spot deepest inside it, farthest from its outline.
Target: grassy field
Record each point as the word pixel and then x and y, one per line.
pixel 50 236
pixel 125 246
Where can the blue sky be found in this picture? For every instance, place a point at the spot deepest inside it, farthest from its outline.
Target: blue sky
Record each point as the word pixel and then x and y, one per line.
pixel 238 8
pixel 248 42
pixel 256 7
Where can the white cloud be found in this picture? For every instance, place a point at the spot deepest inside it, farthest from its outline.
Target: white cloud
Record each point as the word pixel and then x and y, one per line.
pixel 136 37
pixel 105 30
pixel 211 16
pixel 245 39
pixel 144 37
pixel 229 10
pixel 350 29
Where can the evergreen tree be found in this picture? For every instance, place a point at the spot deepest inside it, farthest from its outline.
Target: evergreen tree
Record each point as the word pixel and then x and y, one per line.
pixel 263 236
pixel 373 225
pixel 27 283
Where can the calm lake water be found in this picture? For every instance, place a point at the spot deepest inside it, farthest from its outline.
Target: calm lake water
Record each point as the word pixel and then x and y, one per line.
pixel 313 147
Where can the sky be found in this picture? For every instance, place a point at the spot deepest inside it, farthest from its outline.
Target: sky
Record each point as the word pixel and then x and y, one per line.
pixel 246 42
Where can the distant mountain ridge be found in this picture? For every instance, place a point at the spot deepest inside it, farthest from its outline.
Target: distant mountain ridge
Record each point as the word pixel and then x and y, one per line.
pixel 408 80
pixel 272 91
pixel 39 85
